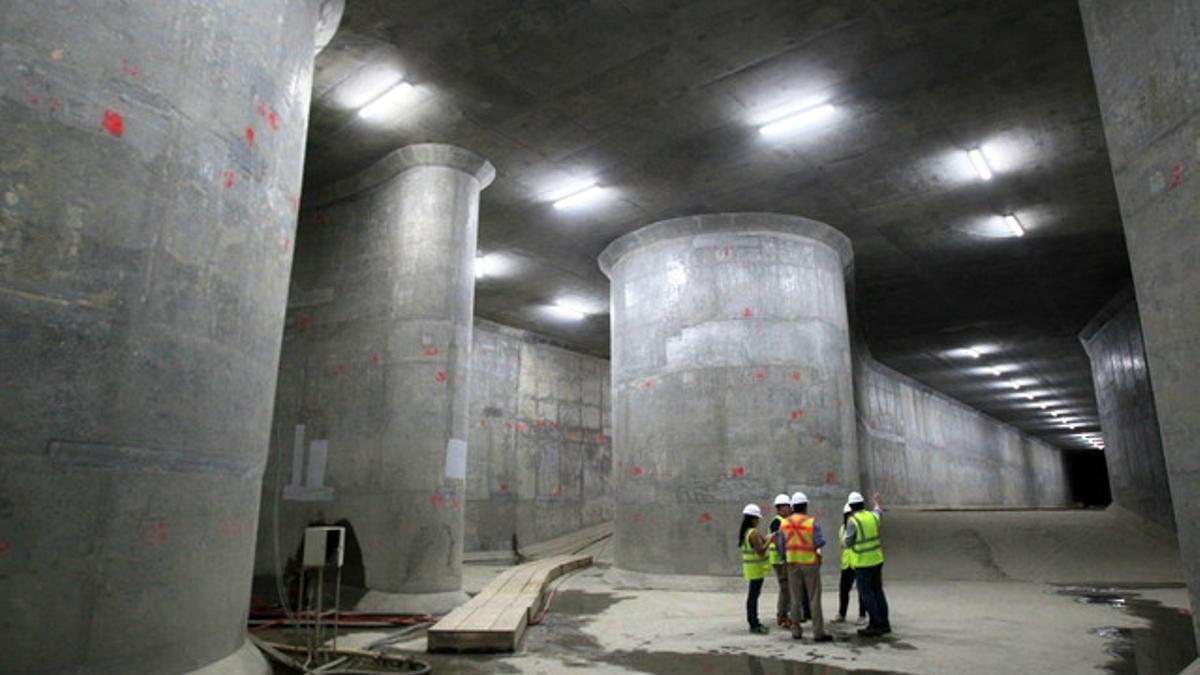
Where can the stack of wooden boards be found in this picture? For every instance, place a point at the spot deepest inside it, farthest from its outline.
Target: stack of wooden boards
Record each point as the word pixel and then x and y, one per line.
pixel 496 619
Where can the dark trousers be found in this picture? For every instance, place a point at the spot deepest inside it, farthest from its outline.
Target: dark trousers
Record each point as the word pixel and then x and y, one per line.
pixel 870 586
pixel 752 602
pixel 844 586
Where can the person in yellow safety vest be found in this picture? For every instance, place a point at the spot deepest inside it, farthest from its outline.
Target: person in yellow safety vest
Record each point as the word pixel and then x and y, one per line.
pixel 783 509
pixel 864 539
pixel 755 564
pixel 802 542
pixel 847 581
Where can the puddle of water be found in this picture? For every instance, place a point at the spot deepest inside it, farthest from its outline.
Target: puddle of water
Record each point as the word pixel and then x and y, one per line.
pixel 668 663
pixel 1167 645
pixel 583 603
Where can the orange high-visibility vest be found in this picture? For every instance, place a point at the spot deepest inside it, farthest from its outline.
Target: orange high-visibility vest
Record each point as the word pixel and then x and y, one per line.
pixel 798 539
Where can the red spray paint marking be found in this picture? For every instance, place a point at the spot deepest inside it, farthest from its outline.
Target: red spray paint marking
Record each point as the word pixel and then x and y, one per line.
pixel 747 312
pixel 553 425
pixel 304 322
pixel 705 517
pixel 504 487
pixel 375 359
pixel 273 120
pixel 571 436
pixel 738 471
pixel 795 376
pixel 432 351
pixel 649 383
pixel 637 517
pixel 440 376
pixel 557 490
pixel 249 135
pixel 760 375
pixel 130 71
pixel 797 413
pixel 54 104
pixel 436 500
pixel 538 424
pixel 113 123
pixel 600 438
pixel 34 100
pixel 295 203
pixel 821 439
pixel 287 244
pixel 508 426
pixel 339 369
pixel 3 547
pixel 483 424
pixel 637 470
pixel 830 478
pixel 728 252
pixel 1176 176
pixel 228 176
pixel 520 427
pixel 158 532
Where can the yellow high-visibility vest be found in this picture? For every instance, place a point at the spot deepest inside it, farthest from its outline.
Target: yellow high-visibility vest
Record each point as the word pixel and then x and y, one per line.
pixel 772 549
pixel 798 544
pixel 868 547
pixel 847 554
pixel 754 564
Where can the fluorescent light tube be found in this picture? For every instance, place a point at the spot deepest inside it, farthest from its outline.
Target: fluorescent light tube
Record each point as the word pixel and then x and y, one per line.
pixel 973 352
pixel 578 197
pixel 568 310
pixel 384 100
pixel 1014 384
pixel 980 163
pixel 995 371
pixel 796 120
pixel 1014 225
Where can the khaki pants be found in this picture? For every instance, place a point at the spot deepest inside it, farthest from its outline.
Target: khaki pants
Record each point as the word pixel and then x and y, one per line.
pixel 803 578
pixel 784 605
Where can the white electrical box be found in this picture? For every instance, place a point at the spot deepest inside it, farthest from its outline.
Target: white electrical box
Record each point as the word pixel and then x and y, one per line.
pixel 324 546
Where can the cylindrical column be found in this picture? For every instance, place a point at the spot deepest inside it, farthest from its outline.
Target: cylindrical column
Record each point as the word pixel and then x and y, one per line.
pixel 376 370
pixel 150 164
pixel 731 383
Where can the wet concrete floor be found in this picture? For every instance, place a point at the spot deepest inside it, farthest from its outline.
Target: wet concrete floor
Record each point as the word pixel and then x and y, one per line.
pixel 1165 646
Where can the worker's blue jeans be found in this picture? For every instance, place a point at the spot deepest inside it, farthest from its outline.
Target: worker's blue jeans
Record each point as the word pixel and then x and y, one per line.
pixel 752 602
pixel 870 585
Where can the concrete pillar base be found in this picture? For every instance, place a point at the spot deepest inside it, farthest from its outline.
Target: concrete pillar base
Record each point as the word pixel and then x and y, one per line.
pixel 411 603
pixel 247 660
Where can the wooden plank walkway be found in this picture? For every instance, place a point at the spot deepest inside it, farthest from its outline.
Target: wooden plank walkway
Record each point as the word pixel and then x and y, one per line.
pixel 496 619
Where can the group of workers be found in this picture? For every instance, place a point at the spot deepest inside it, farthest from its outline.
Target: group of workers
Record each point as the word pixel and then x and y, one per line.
pixel 793 549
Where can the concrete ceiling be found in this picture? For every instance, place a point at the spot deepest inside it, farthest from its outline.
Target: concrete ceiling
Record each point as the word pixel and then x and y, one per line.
pixel 659 102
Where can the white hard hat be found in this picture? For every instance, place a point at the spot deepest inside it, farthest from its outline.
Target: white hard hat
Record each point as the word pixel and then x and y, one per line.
pixel 799 498
pixel 846 508
pixel 752 510
pixel 782 499
pixel 854 498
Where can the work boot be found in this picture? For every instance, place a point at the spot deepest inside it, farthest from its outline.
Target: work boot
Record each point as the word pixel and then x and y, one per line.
pixel 823 638
pixel 783 622
pixel 797 633
pixel 862 621
pixel 759 629
pixel 884 630
pixel 839 619
pixel 870 631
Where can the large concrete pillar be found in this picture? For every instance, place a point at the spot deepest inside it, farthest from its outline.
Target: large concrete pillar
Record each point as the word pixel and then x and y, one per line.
pixel 1145 59
pixel 375 373
pixel 731 383
pixel 150 163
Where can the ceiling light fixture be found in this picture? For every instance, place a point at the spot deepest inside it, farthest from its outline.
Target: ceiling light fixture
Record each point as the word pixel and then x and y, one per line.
pixel 1014 225
pixel 577 196
pixel 569 310
pixel 980 163
pixel 995 371
pixel 1030 396
pixel 384 100
pixel 1014 384
pixel 1042 406
pixel 1055 413
pixel 973 352
pixel 797 119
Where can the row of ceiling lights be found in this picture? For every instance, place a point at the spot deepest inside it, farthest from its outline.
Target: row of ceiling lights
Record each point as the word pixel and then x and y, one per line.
pixel 1094 439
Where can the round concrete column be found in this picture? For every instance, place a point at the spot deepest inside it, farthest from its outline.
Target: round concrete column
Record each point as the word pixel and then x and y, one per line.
pixel 731 383
pixel 150 165
pixel 399 476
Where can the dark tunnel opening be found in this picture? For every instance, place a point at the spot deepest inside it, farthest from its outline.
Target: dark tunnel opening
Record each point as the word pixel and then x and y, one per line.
pixel 1087 477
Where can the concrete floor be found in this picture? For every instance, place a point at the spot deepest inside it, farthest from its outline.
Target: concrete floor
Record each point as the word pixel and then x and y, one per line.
pixel 1119 608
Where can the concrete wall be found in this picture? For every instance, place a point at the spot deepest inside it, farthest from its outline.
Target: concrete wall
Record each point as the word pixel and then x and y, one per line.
pixel 1137 472
pixel 540 459
pixel 922 447
pixel 1145 60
